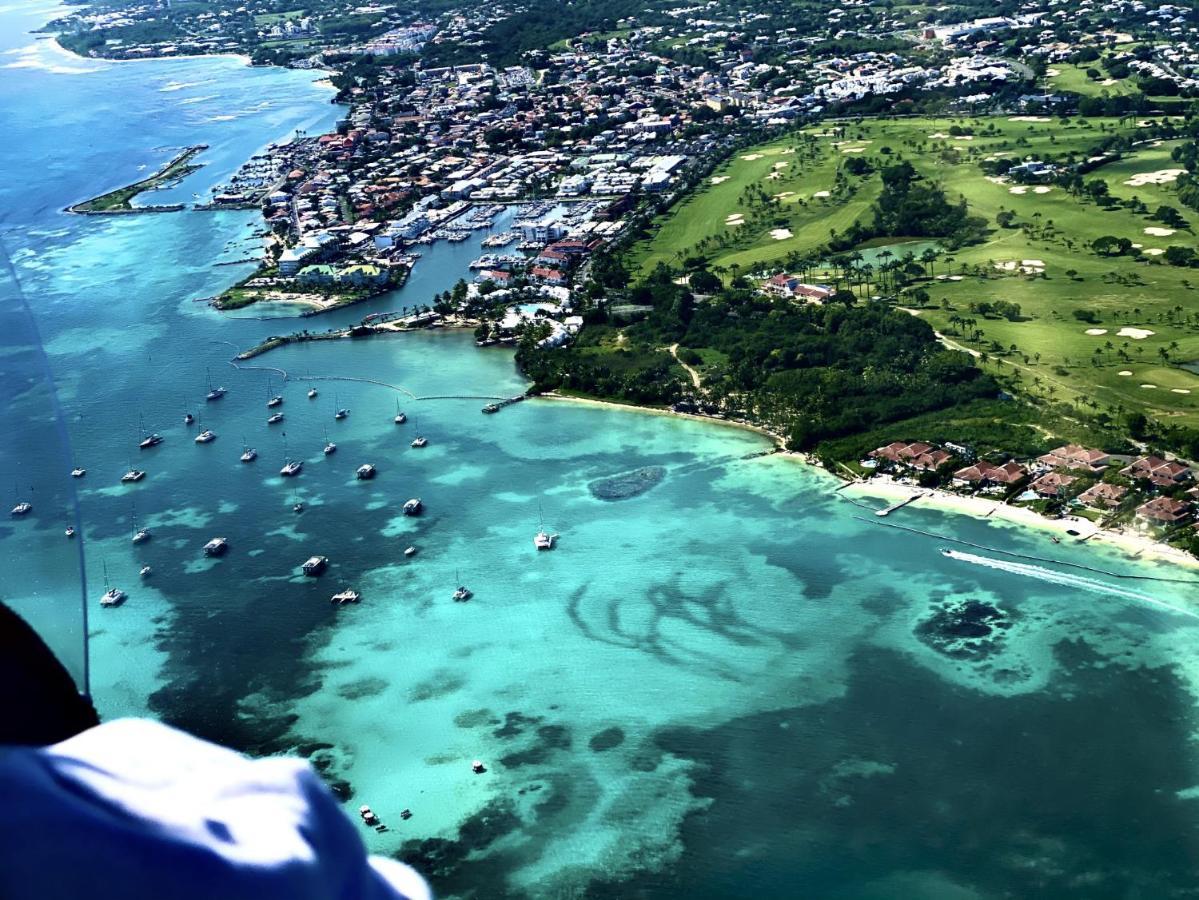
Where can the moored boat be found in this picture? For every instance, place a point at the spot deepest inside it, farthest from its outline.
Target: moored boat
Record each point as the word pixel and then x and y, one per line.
pixel 133 475
pixel 413 507
pixel 205 437
pixel 292 467
pixel 216 547
pixel 344 597
pixel 315 565
pixel 23 508
pixel 78 472
pixel 366 472
pixel 275 419
pixel 419 442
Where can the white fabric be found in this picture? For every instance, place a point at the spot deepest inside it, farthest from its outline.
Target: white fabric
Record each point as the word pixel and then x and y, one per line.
pixel 135 810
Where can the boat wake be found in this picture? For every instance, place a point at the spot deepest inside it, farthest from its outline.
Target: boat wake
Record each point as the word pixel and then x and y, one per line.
pixel 1077 582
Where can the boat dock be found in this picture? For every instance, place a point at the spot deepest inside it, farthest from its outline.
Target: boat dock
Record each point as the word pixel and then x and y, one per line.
pixel 900 505
pixel 500 404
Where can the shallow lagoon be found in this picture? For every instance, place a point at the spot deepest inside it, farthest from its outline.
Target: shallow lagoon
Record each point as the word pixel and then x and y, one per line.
pixel 728 684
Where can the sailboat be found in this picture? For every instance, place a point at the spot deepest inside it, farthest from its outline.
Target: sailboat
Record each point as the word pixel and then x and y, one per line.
pixel 342 411
pixel 400 418
pixel 419 440
pixel 140 535
pixel 311 392
pixel 147 440
pixel 112 596
pixel 298 504
pixel 330 447
pixel 206 436
pixel 291 467
pixel 463 593
pixel 214 393
pixel 543 540
pixel 248 453
pixel 273 400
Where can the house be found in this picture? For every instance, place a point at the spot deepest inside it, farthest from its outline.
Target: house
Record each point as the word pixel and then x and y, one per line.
pixel 363 273
pixel 1160 472
pixel 550 276
pixel 917 455
pixel 1072 456
pixel 790 286
pixel 1052 484
pixel 984 473
pixel 1103 496
pixel 1164 511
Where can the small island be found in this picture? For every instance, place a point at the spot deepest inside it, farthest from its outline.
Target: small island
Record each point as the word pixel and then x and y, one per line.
pixel 121 200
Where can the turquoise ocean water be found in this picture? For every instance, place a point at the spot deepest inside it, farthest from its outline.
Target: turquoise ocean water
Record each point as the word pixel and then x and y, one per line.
pixel 731 684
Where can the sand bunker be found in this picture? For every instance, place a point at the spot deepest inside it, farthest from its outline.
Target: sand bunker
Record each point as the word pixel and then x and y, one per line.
pixel 1125 373
pixel 735 219
pixel 1137 334
pixel 1153 251
pixel 963 137
pixel 1028 118
pixel 1053 73
pixel 1042 189
pixel 1096 331
pixel 719 179
pixel 781 165
pixel 938 136
pixel 1018 189
pixel 781 234
pixel 1179 391
pixel 1107 82
pixel 1024 266
pixel 1149 387
pixel 750 157
pixel 1159 232
pixel 822 194
pixel 853 149
pixel 783 194
pixel 1161 176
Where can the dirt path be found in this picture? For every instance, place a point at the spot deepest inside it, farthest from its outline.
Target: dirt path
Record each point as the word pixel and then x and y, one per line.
pixel 695 377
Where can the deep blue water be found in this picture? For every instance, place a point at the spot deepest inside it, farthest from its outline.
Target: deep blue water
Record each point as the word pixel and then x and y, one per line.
pixel 732 684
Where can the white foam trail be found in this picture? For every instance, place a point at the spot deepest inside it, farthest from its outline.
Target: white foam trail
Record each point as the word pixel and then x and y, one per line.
pixel 1079 582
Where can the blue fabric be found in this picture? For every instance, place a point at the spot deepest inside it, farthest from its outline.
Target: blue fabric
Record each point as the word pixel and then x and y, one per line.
pixel 135 810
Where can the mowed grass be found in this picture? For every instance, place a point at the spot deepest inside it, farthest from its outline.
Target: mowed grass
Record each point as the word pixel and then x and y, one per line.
pixel 1067 77
pixel 1053 231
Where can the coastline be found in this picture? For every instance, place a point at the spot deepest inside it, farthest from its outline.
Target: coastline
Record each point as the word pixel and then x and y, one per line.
pixel 774 438
pixel 1140 546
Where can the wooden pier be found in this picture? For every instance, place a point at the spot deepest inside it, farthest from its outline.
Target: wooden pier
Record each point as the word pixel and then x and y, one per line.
pixel 500 404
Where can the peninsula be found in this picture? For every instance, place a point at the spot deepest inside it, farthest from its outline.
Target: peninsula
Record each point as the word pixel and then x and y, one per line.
pixel 121 200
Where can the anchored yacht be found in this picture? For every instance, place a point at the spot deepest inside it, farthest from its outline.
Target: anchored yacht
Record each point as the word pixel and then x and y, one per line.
pixel 249 455
pixel 344 597
pixel 292 467
pixel 113 597
pixel 149 441
pixel 413 507
pixel 78 472
pixel 419 442
pixel 216 394
pixel 312 393
pixel 205 437
pixel 366 472
pixel 22 509
pixel 276 400
pixel 133 475
pixel 315 565
pixel 216 547
pixel 275 419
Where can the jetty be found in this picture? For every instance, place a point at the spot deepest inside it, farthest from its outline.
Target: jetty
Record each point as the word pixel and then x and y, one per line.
pixel 500 404
pixel 883 513
pixel 120 201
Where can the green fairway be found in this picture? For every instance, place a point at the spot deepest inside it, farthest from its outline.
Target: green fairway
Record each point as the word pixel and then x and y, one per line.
pixel 1067 77
pixel 765 203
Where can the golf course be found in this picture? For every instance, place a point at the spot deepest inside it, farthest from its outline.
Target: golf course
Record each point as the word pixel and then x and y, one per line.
pixel 1111 326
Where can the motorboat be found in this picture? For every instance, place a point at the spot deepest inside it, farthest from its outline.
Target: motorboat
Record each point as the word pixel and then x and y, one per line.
pixel 292 467
pixel 216 547
pixel 312 393
pixel 413 507
pixel 315 565
pixel 275 419
pixel 344 597
pixel 205 437
pixel 144 572
pixel 410 551
pixel 477 767
pixel 419 442
pixel 70 532
pixel 23 508
pixel 366 472
pixel 249 455
pixel 152 440
pixel 133 475
pixel 78 472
